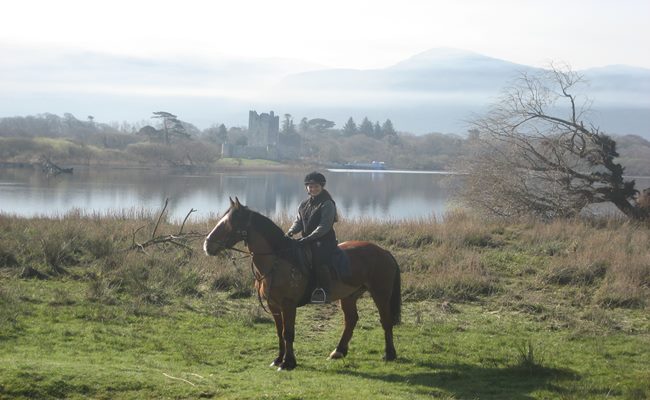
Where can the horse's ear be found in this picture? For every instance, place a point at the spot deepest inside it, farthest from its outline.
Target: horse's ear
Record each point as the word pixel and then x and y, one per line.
pixel 232 203
pixel 237 203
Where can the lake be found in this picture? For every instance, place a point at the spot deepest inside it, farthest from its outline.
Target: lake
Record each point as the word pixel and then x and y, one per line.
pixel 383 195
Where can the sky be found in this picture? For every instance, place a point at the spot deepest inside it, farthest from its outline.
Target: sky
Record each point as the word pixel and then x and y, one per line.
pixel 357 34
pixel 210 61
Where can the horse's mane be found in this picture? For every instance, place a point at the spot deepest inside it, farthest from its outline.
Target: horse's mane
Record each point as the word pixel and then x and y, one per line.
pixel 269 230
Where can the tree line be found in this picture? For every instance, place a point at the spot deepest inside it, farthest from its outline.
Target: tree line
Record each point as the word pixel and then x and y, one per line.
pixel 534 152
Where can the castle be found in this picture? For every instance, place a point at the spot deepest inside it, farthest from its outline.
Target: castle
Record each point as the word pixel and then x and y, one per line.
pixel 263 129
pixel 263 138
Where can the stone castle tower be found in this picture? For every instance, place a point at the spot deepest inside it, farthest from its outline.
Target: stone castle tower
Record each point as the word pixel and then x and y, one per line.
pixel 263 129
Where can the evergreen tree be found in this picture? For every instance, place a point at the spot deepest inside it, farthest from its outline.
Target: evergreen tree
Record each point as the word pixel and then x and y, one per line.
pixel 366 127
pixel 222 133
pixel 320 124
pixel 350 128
pixel 303 127
pixel 377 132
pixel 388 129
pixel 288 127
pixel 171 126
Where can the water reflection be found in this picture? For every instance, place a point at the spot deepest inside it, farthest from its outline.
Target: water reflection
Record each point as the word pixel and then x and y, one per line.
pixel 358 194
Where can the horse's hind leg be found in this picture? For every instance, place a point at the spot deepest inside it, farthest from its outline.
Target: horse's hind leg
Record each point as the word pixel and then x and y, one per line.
pixel 383 305
pixel 349 307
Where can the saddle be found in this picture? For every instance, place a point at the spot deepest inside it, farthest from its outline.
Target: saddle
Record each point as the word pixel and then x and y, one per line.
pixel 339 268
pixel 339 265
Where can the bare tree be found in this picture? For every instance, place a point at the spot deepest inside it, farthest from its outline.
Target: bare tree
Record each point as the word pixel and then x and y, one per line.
pixel 534 152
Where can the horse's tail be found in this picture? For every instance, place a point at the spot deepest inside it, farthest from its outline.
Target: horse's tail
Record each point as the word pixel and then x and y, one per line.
pixel 396 296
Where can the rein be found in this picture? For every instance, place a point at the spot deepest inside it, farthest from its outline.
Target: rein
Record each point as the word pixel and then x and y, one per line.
pixel 262 277
pixel 243 233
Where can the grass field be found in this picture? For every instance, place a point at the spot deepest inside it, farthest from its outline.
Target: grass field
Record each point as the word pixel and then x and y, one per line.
pixel 492 310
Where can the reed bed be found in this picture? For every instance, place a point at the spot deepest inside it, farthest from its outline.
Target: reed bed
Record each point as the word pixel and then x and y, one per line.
pixel 459 258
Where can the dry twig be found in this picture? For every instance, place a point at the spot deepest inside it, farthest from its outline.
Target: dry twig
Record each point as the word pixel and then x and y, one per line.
pixel 180 239
pixel 178 379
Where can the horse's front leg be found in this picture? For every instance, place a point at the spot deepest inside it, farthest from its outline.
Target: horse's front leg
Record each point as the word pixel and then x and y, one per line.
pixel 288 334
pixel 277 317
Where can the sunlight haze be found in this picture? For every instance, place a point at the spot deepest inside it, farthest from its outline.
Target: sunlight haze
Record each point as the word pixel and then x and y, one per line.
pixel 426 65
pixel 342 34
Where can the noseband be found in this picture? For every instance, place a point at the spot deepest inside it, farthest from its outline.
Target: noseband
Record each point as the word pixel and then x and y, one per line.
pixel 243 232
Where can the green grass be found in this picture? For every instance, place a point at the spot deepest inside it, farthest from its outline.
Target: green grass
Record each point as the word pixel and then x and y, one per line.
pixel 65 346
pixel 491 311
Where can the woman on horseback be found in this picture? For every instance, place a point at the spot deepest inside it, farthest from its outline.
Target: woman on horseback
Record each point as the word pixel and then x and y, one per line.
pixel 315 220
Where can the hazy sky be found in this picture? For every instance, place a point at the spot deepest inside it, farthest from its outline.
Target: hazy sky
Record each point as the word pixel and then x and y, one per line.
pixel 339 33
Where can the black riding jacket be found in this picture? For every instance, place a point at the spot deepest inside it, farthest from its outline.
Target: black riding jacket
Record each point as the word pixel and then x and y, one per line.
pixel 316 217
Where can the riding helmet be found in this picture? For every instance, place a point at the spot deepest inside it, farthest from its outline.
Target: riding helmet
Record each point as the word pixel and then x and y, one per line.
pixel 315 177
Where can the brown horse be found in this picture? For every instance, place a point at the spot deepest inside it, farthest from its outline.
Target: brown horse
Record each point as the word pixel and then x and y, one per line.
pixel 284 282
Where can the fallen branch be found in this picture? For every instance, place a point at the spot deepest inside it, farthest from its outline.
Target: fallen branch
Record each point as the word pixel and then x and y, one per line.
pixel 185 220
pixel 177 240
pixel 133 243
pixel 180 239
pixel 52 169
pixel 178 379
pixel 155 228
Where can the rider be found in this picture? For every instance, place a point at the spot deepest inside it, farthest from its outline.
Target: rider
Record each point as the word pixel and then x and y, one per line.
pixel 315 220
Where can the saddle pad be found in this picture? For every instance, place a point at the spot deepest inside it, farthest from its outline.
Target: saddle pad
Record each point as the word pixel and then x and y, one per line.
pixel 341 264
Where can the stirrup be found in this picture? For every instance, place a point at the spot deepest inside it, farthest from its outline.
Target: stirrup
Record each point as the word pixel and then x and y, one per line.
pixel 318 296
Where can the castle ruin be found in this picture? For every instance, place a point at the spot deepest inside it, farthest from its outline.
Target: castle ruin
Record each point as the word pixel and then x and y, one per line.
pixel 263 138
pixel 263 129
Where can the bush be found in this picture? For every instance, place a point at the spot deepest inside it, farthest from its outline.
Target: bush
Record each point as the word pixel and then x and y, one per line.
pixel 465 280
pixel 159 154
pixel 7 257
pixel 576 274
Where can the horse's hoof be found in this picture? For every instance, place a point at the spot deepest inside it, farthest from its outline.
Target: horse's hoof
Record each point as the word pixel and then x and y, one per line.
pixel 276 362
pixel 287 366
pixel 390 357
pixel 336 355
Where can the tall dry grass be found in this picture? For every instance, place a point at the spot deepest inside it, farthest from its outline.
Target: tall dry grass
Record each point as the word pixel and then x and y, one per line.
pixel 529 264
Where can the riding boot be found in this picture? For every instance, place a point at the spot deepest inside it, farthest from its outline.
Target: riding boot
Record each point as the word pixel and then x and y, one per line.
pixel 323 281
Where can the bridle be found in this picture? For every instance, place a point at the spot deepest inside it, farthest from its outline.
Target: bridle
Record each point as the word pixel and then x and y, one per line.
pixel 244 234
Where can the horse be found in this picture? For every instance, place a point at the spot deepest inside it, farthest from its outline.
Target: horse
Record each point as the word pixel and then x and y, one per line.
pixel 284 282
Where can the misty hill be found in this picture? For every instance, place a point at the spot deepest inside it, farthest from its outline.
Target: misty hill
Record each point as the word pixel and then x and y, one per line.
pixel 442 88
pixel 432 72
pixel 435 91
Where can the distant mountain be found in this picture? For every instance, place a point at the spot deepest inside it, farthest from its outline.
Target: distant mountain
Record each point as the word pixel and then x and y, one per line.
pixel 434 91
pixel 436 70
pixel 440 89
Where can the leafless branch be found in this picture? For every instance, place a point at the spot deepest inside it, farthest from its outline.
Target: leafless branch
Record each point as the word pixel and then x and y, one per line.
pixel 534 155
pixel 153 233
pixel 185 220
pixel 180 239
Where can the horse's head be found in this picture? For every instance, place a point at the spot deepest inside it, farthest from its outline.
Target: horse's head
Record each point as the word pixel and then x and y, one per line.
pixel 230 230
